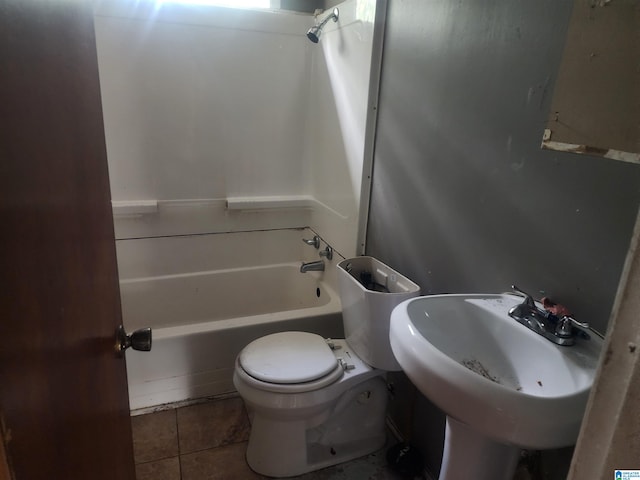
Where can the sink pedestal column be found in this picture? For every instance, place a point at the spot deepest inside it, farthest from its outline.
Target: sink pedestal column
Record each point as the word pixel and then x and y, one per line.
pixel 469 454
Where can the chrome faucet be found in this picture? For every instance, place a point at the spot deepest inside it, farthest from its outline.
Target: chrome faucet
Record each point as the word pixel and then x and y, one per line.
pixel 557 330
pixel 317 266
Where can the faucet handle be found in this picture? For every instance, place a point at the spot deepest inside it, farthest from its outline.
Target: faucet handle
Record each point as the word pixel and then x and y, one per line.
pixel 314 242
pixel 564 328
pixel 528 299
pixel 327 252
pixel 575 322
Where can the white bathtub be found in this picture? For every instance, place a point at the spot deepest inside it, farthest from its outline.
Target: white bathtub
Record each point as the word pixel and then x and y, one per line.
pixel 201 319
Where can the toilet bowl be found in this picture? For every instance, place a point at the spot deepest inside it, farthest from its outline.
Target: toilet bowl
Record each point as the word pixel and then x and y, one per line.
pixel 316 402
pixel 303 424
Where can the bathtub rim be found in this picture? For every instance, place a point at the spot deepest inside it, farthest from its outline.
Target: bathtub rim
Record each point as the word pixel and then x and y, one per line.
pixel 333 305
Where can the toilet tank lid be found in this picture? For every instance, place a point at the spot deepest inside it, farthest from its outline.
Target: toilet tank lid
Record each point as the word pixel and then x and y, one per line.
pixel 288 357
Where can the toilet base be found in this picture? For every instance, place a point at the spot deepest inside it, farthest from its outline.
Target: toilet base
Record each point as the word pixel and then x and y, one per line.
pixel 352 427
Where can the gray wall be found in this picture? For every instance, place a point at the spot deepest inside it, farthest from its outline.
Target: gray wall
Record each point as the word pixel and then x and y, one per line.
pixel 464 199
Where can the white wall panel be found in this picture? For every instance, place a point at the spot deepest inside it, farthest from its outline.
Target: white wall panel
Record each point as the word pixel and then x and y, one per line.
pixel 340 86
pixel 203 103
pixel 206 103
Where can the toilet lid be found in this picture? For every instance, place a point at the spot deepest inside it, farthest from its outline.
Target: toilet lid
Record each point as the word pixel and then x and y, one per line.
pixel 288 357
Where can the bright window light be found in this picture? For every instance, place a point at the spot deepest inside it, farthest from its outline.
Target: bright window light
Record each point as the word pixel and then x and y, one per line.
pixel 224 3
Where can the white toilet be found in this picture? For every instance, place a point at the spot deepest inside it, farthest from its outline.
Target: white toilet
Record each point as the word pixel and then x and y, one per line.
pixel 315 402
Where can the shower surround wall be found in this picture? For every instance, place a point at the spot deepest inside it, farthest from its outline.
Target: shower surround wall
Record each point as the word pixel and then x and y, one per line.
pixel 205 104
pixel 220 121
pixel 464 200
pixel 201 104
pixel 336 151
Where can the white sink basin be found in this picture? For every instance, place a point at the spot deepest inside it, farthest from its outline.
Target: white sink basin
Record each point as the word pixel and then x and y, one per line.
pixel 492 374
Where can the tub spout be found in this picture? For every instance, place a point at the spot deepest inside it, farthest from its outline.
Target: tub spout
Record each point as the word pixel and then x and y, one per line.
pixel 312 267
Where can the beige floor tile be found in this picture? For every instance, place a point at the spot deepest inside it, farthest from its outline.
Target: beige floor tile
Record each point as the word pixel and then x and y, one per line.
pixel 212 424
pixel 222 463
pixel 167 469
pixel 155 436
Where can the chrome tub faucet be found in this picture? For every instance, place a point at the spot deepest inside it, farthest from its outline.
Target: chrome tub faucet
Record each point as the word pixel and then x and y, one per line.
pixel 317 266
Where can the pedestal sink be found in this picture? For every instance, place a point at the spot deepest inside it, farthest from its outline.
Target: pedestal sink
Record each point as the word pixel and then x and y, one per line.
pixel 502 386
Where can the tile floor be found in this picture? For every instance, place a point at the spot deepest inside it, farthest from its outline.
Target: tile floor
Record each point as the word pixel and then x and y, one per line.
pixel 207 441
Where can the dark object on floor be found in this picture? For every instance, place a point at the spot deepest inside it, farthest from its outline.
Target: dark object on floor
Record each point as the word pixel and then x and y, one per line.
pixel 405 460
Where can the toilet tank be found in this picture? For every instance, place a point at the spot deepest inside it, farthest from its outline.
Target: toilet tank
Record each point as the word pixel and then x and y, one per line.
pixel 369 290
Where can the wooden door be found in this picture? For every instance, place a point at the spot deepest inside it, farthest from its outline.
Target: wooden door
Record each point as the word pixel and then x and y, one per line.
pixel 63 392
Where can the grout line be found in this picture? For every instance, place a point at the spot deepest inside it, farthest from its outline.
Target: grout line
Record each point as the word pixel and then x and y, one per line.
pixel 156 460
pixel 175 412
pixel 223 445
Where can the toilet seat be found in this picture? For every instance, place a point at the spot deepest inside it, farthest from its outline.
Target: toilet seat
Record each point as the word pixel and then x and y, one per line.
pixel 288 357
pixel 290 362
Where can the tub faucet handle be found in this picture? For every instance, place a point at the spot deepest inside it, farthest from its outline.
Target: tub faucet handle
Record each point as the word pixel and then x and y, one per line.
pixel 314 242
pixel 327 252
